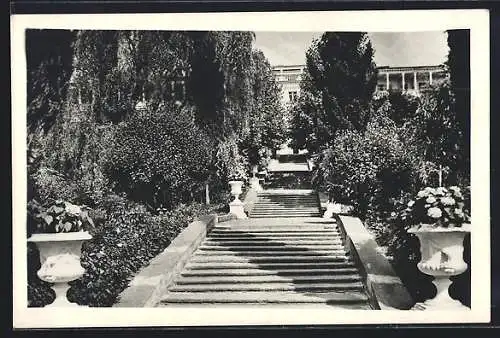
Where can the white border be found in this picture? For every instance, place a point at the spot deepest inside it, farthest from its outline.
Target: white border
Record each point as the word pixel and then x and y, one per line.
pixel 370 21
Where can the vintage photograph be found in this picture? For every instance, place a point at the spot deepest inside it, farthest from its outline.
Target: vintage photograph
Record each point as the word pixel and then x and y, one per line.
pixel 172 169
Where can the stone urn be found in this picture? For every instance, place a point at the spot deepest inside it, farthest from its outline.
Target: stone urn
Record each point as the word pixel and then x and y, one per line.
pixel 254 180
pixel 60 261
pixel 236 207
pixel 332 208
pixel 442 257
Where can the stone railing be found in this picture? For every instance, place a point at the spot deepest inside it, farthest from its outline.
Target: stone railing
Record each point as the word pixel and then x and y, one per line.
pixel 385 289
pixel 150 283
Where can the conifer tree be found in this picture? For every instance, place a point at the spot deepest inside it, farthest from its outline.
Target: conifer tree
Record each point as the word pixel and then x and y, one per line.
pixel 336 89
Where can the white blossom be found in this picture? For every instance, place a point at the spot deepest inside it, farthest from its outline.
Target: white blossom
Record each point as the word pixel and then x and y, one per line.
pixel 434 212
pixel 448 200
pixel 430 200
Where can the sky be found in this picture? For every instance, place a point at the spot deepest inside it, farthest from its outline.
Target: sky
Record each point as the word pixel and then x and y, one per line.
pixel 391 49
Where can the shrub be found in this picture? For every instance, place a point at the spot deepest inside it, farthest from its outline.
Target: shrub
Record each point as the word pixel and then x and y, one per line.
pixel 159 159
pixel 369 170
pixel 126 237
pixel 49 186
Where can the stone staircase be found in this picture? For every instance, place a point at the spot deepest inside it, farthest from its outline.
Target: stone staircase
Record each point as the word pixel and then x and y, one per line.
pixel 286 203
pixel 270 261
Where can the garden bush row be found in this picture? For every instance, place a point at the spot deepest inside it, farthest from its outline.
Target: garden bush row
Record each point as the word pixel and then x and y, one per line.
pixel 143 178
pixel 127 236
pixel 378 171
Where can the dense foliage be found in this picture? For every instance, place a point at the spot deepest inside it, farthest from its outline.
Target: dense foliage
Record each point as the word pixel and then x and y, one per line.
pixel 368 169
pixel 161 117
pixel 336 89
pixel 126 238
pixel 458 64
pixel 49 65
pixel 409 143
pixel 160 159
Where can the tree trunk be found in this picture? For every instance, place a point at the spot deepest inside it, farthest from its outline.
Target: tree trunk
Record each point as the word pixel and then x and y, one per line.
pixel 207 195
pixel 440 175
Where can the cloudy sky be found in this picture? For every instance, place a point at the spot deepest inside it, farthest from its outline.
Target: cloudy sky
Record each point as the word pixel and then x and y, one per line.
pixel 391 49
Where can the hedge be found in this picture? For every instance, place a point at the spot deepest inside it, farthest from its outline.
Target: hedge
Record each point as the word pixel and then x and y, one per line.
pixel 126 238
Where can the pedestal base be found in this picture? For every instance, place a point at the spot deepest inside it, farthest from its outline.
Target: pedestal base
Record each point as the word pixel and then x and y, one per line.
pixel 332 208
pixel 427 305
pixel 254 183
pixel 442 300
pixel 236 208
pixel 61 300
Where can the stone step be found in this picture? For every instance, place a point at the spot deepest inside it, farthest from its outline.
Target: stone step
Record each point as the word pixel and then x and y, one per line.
pixel 281 199
pixel 288 197
pixel 272 248
pixel 329 233
pixel 286 202
pixel 285 210
pixel 263 297
pixel 284 207
pixel 270 230
pixel 284 215
pixel 276 237
pixel 281 207
pixel 270 242
pixel 263 253
pixel 273 245
pixel 354 286
pixel 286 194
pixel 220 266
pixel 271 259
pixel 353 277
pixel 240 271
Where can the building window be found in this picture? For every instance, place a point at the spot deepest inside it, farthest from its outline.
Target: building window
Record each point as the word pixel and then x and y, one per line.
pixel 292 96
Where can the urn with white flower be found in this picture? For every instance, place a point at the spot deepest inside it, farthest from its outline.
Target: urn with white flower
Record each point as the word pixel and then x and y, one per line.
pixel 441 218
pixel 60 232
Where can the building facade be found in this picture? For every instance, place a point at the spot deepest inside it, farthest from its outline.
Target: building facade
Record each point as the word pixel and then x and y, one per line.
pixel 288 77
pixel 413 80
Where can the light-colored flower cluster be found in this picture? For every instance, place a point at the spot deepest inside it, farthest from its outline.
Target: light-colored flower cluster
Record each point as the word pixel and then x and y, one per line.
pixel 438 206
pixel 434 212
pixel 72 209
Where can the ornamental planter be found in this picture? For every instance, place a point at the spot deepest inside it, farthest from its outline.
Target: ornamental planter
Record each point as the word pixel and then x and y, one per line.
pixel 442 257
pixel 255 184
pixel 254 180
pixel 332 208
pixel 60 261
pixel 236 206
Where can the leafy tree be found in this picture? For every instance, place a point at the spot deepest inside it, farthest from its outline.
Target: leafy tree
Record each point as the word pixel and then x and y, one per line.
pixel 49 61
pixel 220 81
pixel 336 90
pixel 94 60
pixel 267 120
pixel 458 64
pixel 437 128
pixel 161 159
pixel 368 169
